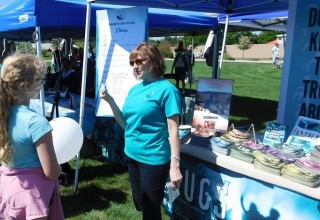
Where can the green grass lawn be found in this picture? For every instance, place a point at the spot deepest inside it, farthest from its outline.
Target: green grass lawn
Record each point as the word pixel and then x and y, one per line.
pixel 104 189
pixel 251 79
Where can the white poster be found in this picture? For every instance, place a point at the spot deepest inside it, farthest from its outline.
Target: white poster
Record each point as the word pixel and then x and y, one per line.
pixel 118 32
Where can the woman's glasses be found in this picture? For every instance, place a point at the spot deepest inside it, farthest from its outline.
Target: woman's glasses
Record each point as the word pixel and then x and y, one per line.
pixel 137 61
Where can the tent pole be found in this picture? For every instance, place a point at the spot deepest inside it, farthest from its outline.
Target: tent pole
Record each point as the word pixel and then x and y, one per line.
pixel 83 83
pixel 39 54
pixel 71 47
pixel 223 45
pixel 191 70
pixel 215 54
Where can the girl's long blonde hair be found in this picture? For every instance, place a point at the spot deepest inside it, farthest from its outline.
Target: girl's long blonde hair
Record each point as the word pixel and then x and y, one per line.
pixel 18 72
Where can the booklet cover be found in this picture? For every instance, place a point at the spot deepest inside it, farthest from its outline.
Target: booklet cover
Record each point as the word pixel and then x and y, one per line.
pixel 305 134
pixel 274 134
pixel 212 106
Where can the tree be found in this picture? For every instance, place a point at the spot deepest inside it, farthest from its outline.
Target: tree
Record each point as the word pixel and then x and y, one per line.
pixel 267 36
pixel 164 48
pixel 234 37
pixel 244 44
pixel 198 40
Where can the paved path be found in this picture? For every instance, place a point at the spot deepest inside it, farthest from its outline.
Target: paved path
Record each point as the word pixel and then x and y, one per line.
pixel 249 61
pixel 236 61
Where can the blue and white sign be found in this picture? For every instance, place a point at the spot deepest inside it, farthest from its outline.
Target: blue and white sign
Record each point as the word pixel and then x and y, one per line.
pixel 212 193
pixel 118 32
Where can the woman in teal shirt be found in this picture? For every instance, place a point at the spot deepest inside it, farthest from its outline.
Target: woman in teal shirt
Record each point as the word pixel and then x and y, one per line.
pixel 150 118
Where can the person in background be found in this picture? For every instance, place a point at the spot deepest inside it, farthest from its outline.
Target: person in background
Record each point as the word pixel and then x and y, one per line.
pixel 150 118
pixel 57 55
pixel 80 57
pixel 91 55
pixel 71 76
pixel 29 187
pixel 181 67
pixel 191 60
pixel 201 54
pixel 276 55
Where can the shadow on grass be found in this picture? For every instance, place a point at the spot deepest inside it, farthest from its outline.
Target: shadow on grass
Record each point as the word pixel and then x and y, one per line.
pixel 246 111
pixel 88 171
pixel 86 200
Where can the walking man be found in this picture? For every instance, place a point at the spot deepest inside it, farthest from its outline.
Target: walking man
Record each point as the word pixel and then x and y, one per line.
pixel 276 56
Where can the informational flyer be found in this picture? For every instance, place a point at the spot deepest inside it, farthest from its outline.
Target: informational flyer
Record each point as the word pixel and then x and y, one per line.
pixel 305 134
pixel 212 106
pixel 274 134
pixel 118 32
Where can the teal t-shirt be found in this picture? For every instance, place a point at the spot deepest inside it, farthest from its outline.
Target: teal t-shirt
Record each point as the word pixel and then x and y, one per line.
pixel 26 127
pixel 146 109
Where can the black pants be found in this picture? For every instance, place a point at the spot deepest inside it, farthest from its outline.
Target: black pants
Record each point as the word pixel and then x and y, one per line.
pixel 147 183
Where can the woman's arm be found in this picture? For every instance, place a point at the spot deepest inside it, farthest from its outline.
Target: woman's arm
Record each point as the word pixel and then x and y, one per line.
pixel 114 107
pixel 175 174
pixel 47 156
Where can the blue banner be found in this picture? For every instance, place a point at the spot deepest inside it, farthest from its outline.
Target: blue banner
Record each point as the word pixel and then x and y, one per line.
pixel 300 85
pixel 212 192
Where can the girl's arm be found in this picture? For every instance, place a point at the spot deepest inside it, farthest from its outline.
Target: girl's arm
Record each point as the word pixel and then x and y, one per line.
pixel 47 156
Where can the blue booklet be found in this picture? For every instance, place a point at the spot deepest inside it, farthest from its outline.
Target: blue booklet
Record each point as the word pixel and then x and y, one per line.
pixel 274 134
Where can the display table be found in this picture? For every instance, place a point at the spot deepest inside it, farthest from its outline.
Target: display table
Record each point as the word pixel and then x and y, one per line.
pixel 216 186
pixel 89 116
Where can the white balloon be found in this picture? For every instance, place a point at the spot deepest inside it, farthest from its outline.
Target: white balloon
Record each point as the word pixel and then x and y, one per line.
pixel 67 138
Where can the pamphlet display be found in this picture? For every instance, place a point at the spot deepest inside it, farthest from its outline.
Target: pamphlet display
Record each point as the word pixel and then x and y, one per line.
pixel 214 177
pixel 212 106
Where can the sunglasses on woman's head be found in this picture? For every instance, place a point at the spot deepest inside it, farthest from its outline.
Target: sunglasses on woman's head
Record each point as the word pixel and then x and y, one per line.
pixel 136 61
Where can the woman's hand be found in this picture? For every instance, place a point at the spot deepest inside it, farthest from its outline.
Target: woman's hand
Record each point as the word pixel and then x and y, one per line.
pixel 103 93
pixel 175 174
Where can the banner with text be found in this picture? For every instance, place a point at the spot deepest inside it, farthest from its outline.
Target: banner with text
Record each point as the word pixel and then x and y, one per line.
pixel 217 193
pixel 118 32
pixel 300 85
